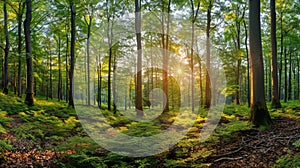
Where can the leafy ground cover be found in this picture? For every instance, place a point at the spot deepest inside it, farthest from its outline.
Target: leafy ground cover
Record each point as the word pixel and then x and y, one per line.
pixel 50 135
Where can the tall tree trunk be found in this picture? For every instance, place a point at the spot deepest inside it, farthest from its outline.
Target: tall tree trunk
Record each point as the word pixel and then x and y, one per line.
pixel 67 69
pixel 114 85
pixel 59 87
pixel 275 98
pixel 207 82
pixel 290 77
pixel 6 50
pixel 72 54
pixel 29 90
pixel 194 18
pixel 248 64
pixel 20 16
pixel 50 65
pixel 259 113
pixel 88 59
pixel 165 43
pixel 139 96
pixel 285 76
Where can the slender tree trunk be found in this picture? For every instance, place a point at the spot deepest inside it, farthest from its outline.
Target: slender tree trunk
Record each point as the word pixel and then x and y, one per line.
pixel 165 43
pixel 20 16
pixel 139 96
pixel 50 65
pixel 6 50
pixel 67 69
pixel 290 77
pixel 194 18
pixel 207 83
pixel 30 83
pixel 114 85
pixel 59 87
pixel 285 76
pixel 259 113
pixel 275 98
pixel 248 64
pixel 73 28
pixel 88 60
pixel 281 57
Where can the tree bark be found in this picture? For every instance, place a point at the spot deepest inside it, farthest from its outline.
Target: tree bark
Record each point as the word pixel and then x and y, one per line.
pixel 20 16
pixel 194 18
pixel 6 50
pixel 285 76
pixel 72 54
pixel 139 96
pixel 275 98
pixel 30 80
pixel 207 81
pixel 248 64
pixel 259 113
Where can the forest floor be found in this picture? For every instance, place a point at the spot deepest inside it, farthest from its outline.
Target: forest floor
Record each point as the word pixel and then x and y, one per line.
pixel 49 135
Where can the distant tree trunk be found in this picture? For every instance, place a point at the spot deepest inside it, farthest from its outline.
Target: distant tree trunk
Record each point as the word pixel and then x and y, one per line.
pixel 275 98
pixel 72 66
pixel 114 84
pixel 208 85
pixel 89 24
pixel 285 76
pixel 165 43
pixel 239 59
pixel 67 69
pixel 290 77
pixel 248 64
pixel 281 56
pixel 6 50
pixel 298 78
pixel 59 87
pixel 20 16
pixel 50 65
pixel 139 96
pixel 259 113
pixel 29 91
pixel 194 18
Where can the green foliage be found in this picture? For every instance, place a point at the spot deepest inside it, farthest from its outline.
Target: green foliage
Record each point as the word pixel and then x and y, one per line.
pixel 297 143
pixel 5 145
pixel 79 145
pixel 4 121
pixel 287 161
pixel 82 160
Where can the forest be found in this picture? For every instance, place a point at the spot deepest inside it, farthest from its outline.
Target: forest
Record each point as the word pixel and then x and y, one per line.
pixel 169 83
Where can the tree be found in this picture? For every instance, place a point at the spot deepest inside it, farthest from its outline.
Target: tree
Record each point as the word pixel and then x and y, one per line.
pixel 6 49
pixel 194 17
pixel 259 113
pixel 275 97
pixel 207 81
pixel 72 54
pixel 20 16
pixel 165 45
pixel 139 96
pixel 30 80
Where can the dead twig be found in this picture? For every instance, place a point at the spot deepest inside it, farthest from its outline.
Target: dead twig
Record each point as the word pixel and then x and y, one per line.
pixel 229 153
pixel 228 158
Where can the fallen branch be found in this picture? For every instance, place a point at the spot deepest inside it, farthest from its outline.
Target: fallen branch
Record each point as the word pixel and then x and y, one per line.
pixel 229 153
pixel 228 158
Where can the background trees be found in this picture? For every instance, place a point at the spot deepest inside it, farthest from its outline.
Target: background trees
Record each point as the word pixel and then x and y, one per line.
pixel 102 42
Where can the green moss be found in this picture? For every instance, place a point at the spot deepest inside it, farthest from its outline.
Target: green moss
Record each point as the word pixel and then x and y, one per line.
pixel 259 115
